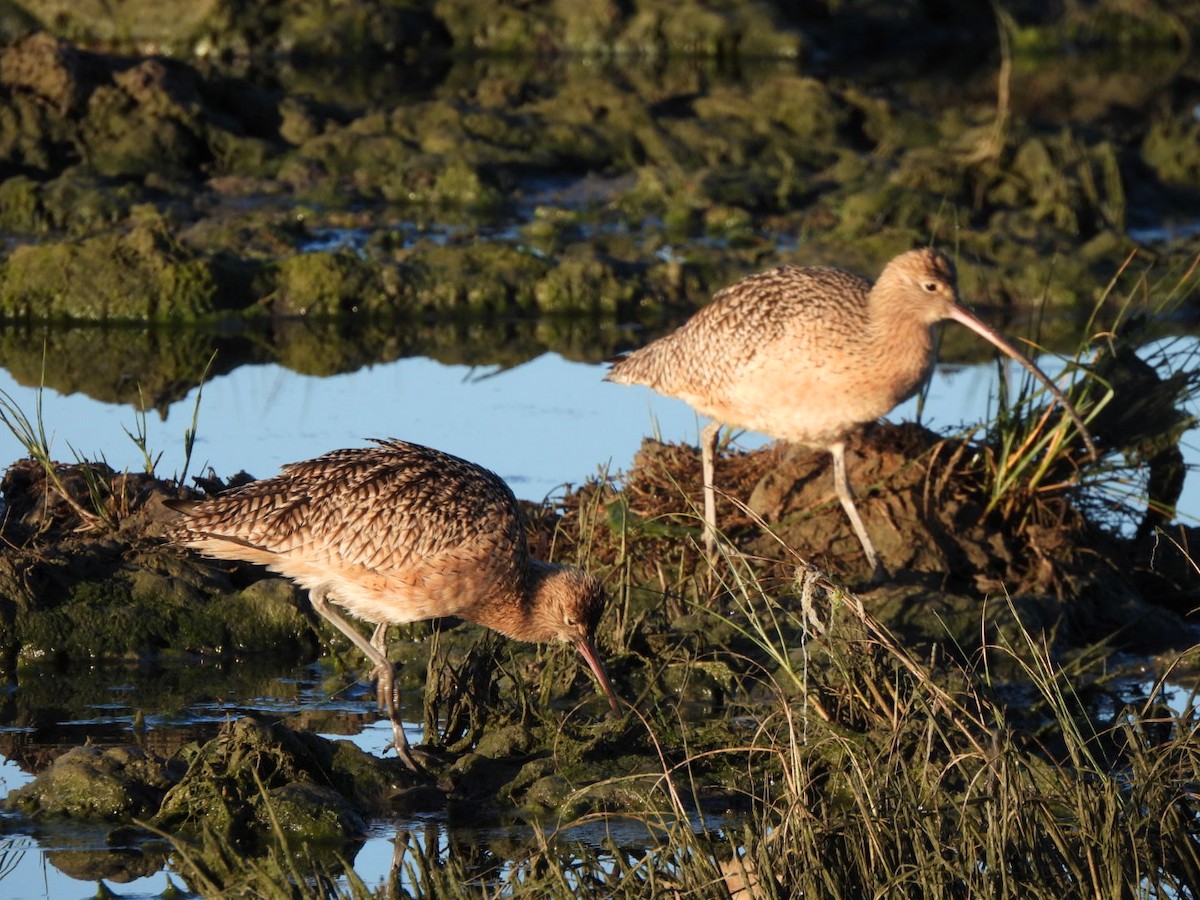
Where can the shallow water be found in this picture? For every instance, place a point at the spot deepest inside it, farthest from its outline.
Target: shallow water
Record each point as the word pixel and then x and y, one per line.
pixel 32 857
pixel 541 425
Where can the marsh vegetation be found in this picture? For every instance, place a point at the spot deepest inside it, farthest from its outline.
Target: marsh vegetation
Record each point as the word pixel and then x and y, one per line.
pixel 1011 714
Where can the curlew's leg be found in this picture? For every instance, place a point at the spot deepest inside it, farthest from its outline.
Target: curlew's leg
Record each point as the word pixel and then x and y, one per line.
pixel 841 484
pixel 708 464
pixel 383 667
pixel 379 642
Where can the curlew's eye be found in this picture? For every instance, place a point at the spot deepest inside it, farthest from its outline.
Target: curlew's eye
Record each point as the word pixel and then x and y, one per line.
pixel 931 286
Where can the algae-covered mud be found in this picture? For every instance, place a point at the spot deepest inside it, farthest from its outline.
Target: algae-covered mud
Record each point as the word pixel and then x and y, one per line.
pixel 201 185
pixel 186 188
pixel 216 169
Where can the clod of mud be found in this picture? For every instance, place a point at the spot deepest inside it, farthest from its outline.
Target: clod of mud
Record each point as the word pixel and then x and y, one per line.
pixel 925 503
pixel 317 790
pixel 87 783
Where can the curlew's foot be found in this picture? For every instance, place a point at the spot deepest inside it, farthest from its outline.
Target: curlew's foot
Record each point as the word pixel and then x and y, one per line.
pixel 404 750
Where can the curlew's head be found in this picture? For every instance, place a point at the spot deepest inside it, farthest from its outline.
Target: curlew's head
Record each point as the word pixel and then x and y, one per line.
pixel 924 285
pixel 567 605
pixel 919 284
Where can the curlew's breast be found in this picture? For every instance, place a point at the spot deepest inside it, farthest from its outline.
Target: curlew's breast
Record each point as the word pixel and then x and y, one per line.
pixel 816 396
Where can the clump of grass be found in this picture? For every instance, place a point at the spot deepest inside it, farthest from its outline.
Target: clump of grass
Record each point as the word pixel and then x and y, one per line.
pixel 140 437
pixel 889 776
pixel 31 433
pixel 1135 402
pixel 96 476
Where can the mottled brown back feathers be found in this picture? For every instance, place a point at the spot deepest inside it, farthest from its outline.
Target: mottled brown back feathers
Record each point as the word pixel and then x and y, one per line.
pixel 397 532
pixel 803 353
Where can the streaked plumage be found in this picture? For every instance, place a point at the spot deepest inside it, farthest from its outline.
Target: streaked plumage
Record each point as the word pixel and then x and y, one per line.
pixel 396 533
pixel 806 354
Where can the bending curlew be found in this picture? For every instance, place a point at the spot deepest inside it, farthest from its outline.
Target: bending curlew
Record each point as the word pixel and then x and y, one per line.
pixel 806 354
pixel 396 533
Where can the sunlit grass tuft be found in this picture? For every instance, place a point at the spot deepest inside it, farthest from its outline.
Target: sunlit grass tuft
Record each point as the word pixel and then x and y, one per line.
pixel 31 433
pixel 1136 401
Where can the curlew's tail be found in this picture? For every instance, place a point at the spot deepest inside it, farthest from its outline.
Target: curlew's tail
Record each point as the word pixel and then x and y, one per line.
pixel 613 374
pixel 188 533
pixel 631 368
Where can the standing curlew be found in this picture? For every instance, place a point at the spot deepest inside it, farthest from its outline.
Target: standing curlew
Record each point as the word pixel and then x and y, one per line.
pixel 806 354
pixel 396 533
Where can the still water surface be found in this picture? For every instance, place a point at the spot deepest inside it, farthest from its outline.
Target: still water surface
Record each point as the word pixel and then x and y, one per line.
pixel 541 425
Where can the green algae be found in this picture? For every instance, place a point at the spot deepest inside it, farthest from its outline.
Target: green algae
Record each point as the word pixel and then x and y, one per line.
pixel 308 813
pixel 587 285
pixel 124 138
pixel 325 284
pixel 90 783
pixel 1169 147
pixel 864 173
pixel 651 28
pixel 266 613
pixel 136 613
pixel 481 277
pixel 138 275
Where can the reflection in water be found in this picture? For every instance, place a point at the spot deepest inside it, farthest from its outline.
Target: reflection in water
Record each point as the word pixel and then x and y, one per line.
pixel 540 425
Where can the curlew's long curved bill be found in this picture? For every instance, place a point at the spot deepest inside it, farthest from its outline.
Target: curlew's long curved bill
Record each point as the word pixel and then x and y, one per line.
pixel 963 317
pixel 588 651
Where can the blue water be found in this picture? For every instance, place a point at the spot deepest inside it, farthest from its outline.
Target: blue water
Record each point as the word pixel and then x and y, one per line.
pixel 542 425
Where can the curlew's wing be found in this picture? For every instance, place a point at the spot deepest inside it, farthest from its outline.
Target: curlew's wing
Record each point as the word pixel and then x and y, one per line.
pixel 706 357
pixel 401 531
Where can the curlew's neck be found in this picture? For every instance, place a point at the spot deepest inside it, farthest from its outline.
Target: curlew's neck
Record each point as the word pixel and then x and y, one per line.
pixel 900 335
pixel 525 614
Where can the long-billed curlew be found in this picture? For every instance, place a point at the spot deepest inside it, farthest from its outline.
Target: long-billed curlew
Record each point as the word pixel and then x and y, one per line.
pixel 397 533
pixel 806 354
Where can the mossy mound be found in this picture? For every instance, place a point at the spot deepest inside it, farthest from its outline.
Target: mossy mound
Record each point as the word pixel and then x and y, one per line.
pixel 140 275
pixel 88 783
pixel 84 579
pixel 255 777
